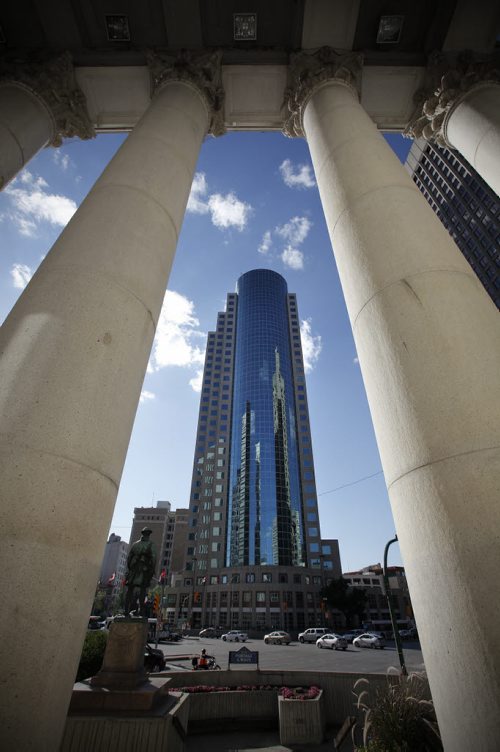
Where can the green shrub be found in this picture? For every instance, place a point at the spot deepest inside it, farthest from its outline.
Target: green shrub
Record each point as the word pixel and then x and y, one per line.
pixel 92 655
pixel 401 717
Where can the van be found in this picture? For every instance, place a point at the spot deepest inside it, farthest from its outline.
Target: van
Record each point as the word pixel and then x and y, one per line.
pixel 312 634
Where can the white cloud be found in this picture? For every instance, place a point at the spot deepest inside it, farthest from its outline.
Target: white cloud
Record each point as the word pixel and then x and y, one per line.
pixel 196 203
pixel 228 211
pixel 225 211
pixel 296 230
pixel 311 345
pixel 196 382
pixel 293 258
pixel 21 275
pixel 297 177
pixel 32 204
pixel 176 335
pixel 61 160
pixel 146 396
pixel 266 243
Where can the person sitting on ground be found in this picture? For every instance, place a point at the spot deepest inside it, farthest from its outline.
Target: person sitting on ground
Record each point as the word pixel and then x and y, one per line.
pixel 203 662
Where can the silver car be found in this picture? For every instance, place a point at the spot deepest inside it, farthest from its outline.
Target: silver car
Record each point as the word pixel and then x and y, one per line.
pixel 277 638
pixel 369 640
pixel 234 635
pixel 332 641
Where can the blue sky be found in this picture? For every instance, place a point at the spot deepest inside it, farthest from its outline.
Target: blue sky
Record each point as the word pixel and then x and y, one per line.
pixel 254 203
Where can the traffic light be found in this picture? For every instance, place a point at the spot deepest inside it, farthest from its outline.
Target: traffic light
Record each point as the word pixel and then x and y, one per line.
pixel 156 603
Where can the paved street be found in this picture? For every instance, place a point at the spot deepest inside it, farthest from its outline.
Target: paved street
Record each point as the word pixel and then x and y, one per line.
pixel 301 657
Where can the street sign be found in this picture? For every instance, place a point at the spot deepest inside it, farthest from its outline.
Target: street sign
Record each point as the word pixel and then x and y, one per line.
pixel 243 657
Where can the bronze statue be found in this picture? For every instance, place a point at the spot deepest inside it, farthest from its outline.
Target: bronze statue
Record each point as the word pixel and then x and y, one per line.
pixel 141 564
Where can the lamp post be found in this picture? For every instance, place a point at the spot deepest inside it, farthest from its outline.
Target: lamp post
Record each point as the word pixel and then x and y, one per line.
pixel 395 629
pixel 192 592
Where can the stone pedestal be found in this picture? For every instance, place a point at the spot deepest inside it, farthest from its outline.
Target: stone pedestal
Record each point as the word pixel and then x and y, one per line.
pixel 123 664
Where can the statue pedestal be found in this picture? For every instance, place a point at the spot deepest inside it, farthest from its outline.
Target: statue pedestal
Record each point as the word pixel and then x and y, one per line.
pixel 123 664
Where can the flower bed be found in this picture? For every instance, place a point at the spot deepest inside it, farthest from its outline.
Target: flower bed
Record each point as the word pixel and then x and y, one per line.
pixel 199 688
pixel 300 693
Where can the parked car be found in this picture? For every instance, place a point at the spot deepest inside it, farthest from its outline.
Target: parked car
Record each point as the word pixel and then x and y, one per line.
pixel 350 636
pixel 408 634
pixel 369 640
pixel 165 634
pixel 277 638
pixel 312 634
pixel 96 622
pixel 235 636
pixel 332 641
pixel 154 660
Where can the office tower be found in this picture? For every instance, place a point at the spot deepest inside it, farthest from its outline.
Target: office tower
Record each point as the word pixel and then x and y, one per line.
pixel 114 562
pixel 465 204
pixel 167 526
pixel 254 555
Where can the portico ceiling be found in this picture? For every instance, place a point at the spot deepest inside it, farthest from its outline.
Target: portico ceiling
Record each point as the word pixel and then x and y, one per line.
pixel 115 79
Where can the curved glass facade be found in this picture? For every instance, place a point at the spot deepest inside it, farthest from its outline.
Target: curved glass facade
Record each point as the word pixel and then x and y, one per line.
pixel 264 515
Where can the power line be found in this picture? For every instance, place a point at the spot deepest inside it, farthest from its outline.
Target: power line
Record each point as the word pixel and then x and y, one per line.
pixel 352 483
pixel 323 493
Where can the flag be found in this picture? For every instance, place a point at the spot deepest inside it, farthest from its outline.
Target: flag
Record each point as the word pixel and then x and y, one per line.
pixel 111 580
pixel 163 576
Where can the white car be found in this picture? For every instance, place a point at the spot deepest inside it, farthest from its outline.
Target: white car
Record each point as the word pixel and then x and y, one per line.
pixel 235 636
pixel 332 641
pixel 369 640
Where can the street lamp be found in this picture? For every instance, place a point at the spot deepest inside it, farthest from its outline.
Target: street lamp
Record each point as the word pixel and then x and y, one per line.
pixel 395 629
pixel 192 592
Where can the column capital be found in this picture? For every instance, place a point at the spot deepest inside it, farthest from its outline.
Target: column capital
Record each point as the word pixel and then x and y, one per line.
pixel 448 81
pixel 202 71
pixel 307 72
pixel 53 82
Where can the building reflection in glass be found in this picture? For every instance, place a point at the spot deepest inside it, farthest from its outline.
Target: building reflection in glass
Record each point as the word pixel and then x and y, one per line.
pixel 265 504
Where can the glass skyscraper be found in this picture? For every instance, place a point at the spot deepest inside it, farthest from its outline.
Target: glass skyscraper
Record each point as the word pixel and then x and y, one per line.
pixel 465 204
pixel 265 495
pixel 254 555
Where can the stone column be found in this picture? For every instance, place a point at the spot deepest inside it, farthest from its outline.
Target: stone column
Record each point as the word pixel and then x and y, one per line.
pixel 74 354
pixel 459 107
pixel 39 105
pixel 428 340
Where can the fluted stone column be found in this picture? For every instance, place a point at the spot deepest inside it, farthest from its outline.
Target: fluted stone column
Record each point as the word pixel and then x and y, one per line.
pixel 39 105
pixel 74 352
pixel 460 108
pixel 428 340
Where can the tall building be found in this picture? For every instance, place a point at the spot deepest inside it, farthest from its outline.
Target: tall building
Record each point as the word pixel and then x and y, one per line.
pixel 114 563
pixel 465 204
pixel 254 555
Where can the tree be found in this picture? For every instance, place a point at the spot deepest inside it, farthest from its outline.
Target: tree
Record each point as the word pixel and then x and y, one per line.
pixel 350 601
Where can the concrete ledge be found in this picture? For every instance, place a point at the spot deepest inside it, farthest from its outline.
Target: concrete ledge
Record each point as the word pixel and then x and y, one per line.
pixel 163 729
pixel 87 697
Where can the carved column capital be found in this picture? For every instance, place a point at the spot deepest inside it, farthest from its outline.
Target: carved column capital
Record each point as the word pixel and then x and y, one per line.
pixel 53 82
pixel 307 72
pixel 202 71
pixel 449 80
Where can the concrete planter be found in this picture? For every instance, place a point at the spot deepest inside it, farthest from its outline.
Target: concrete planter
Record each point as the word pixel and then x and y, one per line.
pixel 259 704
pixel 301 721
